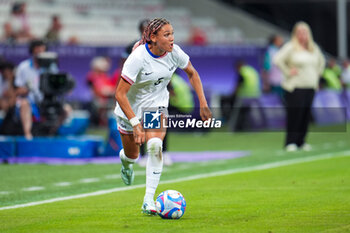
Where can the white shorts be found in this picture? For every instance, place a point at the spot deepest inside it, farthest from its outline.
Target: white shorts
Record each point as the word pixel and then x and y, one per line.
pixel 124 125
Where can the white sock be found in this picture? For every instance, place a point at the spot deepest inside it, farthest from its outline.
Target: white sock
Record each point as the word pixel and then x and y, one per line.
pixel 154 166
pixel 126 161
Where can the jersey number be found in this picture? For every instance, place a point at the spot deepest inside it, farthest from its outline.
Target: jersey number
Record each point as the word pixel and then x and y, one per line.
pixel 158 81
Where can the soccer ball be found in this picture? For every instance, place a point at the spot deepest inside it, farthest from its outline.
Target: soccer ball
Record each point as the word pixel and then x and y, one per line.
pixel 170 204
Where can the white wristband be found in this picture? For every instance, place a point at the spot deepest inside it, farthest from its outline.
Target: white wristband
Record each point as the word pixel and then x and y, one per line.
pixel 134 121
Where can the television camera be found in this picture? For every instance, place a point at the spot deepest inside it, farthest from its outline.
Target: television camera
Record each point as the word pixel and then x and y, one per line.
pixel 53 85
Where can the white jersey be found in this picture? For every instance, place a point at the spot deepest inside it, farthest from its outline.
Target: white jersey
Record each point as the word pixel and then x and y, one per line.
pixel 28 76
pixel 149 76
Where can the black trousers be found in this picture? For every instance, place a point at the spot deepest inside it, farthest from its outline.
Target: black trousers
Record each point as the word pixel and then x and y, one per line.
pixel 298 108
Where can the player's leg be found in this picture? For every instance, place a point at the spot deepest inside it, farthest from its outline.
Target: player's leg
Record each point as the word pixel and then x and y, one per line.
pixel 167 161
pixel 154 168
pixel 130 152
pixel 308 97
pixel 26 117
pixel 128 156
pixel 291 126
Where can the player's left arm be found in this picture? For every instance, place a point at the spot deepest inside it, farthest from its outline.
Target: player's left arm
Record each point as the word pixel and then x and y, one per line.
pixel 197 86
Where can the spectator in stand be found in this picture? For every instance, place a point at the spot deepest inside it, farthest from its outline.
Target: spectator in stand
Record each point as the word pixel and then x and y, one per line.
pixel 11 124
pixel 330 78
pixel 247 92
pixel 53 33
pixel 128 49
pixel 116 74
pixel 302 63
pixel 198 37
pixel 27 81
pixel 73 40
pixel 7 36
pixel 235 107
pixel 30 99
pixel 142 26
pixel 272 75
pixel 103 87
pixel 7 88
pixel 332 63
pixel 180 96
pixel 19 23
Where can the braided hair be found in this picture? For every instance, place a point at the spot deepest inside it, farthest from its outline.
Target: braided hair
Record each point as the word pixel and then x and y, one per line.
pixel 152 28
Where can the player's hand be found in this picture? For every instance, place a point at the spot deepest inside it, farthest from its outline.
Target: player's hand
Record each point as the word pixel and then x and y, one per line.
pixel 139 134
pixel 205 113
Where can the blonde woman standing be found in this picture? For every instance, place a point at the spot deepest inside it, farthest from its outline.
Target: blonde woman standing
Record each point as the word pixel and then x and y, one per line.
pixel 302 63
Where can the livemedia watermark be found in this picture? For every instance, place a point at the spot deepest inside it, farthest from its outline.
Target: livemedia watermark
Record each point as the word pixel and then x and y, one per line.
pixel 157 119
pixel 242 119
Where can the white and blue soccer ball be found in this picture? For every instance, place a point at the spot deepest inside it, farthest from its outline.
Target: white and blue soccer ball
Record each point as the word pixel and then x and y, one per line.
pixel 170 204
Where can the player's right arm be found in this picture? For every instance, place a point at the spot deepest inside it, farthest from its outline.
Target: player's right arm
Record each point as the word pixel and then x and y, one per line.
pixel 132 67
pixel 123 101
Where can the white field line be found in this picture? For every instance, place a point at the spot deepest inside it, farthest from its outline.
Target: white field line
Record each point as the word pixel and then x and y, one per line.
pixel 89 180
pixel 63 184
pixel 112 176
pixel 33 188
pixel 194 177
pixel 341 143
pixel 4 192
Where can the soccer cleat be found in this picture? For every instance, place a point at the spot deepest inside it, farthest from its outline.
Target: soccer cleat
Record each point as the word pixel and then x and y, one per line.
pixel 291 147
pixel 127 175
pixel 306 147
pixel 149 208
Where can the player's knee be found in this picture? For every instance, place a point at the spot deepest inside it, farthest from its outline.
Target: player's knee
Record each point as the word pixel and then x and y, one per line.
pixel 24 104
pixel 128 155
pixel 154 146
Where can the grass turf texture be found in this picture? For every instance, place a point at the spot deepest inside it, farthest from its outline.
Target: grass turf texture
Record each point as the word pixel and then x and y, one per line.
pixel 307 197
pixel 114 212
pixel 264 148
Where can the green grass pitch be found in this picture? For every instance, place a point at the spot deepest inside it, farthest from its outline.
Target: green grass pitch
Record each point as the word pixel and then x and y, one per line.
pixel 308 197
pixel 304 196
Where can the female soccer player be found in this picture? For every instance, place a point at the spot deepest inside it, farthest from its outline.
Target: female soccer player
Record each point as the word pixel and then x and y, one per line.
pixel 145 76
